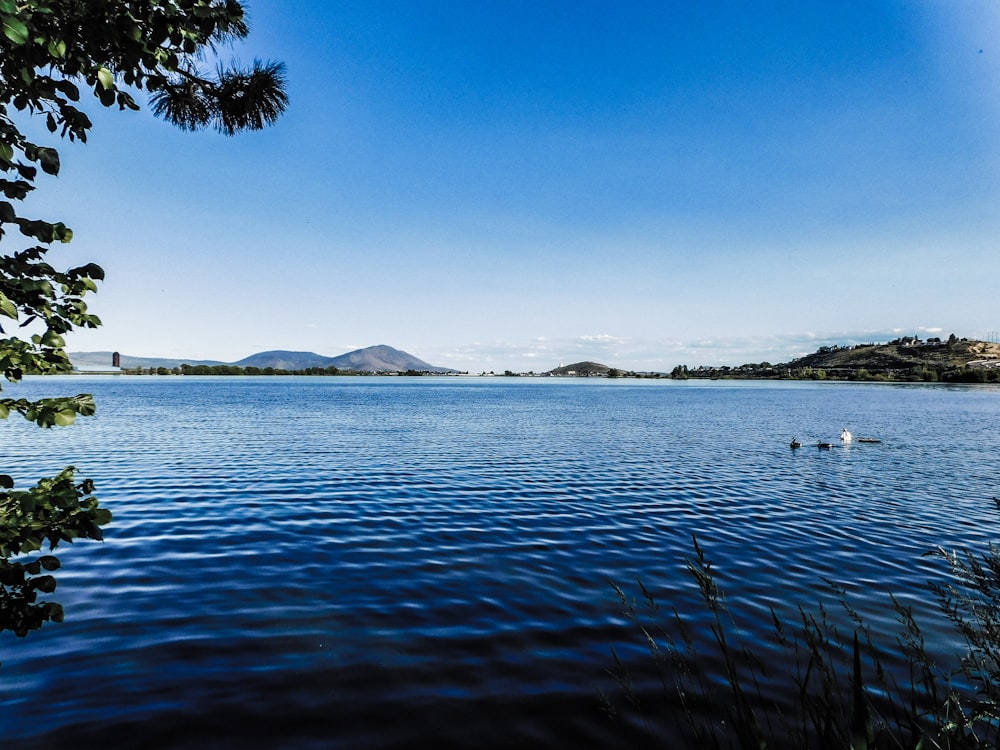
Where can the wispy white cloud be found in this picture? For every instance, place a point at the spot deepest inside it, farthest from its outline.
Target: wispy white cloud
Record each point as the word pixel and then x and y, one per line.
pixel 603 338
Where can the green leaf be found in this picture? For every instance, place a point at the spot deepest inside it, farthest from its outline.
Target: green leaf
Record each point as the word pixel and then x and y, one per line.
pixel 26 171
pixel 107 96
pixel 106 77
pixel 4 413
pixel 62 232
pixel 92 270
pixel 6 481
pixel 85 407
pixel 15 30
pixel 49 562
pixel 102 516
pixel 126 101
pixel 57 48
pixel 53 339
pixel 6 152
pixel 69 90
pixel 49 158
pixel 65 418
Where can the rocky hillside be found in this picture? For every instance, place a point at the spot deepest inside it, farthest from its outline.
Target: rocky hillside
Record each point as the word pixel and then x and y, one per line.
pixel 902 356
pixel 908 358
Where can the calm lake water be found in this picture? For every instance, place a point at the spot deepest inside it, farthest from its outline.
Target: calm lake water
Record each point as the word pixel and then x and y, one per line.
pixel 386 562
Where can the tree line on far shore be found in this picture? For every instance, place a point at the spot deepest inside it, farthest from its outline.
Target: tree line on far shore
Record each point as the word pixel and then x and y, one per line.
pixel 766 371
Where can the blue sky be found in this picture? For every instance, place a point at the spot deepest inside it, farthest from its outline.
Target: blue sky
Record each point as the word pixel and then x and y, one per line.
pixel 518 185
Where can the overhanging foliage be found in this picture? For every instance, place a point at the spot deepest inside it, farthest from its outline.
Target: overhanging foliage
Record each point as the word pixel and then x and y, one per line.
pixel 52 53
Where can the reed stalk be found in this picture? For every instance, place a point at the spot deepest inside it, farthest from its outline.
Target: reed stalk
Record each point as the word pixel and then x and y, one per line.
pixel 831 687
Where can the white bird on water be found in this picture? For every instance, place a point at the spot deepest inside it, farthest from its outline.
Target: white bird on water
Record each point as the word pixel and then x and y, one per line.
pixel 845 436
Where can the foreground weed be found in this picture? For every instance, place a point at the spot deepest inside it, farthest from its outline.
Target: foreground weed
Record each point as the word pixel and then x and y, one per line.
pixel 830 687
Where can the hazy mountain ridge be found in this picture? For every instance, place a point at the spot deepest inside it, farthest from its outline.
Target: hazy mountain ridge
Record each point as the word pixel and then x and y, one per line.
pixel 380 358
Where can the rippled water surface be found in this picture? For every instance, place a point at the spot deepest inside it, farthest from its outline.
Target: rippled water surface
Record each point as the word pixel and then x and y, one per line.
pixel 385 562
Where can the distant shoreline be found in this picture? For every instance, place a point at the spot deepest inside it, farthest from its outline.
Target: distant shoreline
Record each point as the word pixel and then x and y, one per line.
pixel 904 360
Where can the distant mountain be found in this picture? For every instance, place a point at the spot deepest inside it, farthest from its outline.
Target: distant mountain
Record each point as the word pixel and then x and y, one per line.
pixel 582 369
pixel 383 358
pixel 380 358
